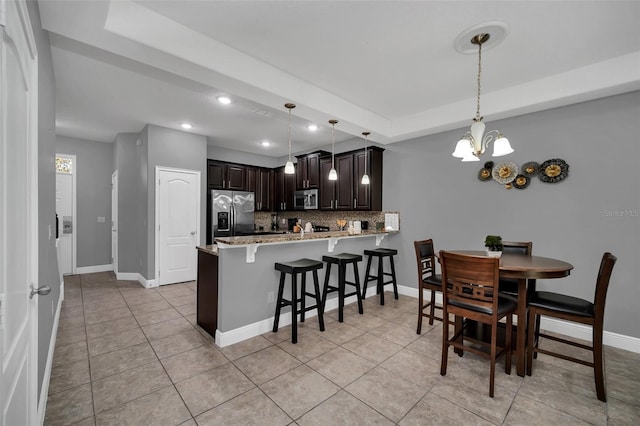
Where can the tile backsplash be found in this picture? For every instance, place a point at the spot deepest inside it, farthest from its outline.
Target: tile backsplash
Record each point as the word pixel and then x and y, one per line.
pixel 319 217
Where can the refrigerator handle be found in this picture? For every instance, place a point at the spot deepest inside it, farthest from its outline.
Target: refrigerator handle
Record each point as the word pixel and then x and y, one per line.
pixel 233 219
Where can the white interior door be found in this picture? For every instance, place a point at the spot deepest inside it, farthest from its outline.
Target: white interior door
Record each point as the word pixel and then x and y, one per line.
pixel 177 224
pixel 66 219
pixel 19 213
pixel 114 221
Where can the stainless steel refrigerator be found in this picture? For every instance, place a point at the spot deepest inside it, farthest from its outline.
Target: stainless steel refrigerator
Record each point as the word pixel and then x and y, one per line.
pixel 233 213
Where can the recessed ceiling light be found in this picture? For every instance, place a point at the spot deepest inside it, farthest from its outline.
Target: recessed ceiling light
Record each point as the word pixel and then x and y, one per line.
pixel 265 143
pixel 224 100
pixel 186 126
pixel 312 127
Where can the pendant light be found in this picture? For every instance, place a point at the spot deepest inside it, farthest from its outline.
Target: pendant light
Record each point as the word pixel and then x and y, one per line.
pixel 365 176
pixel 288 168
pixel 474 142
pixel 333 175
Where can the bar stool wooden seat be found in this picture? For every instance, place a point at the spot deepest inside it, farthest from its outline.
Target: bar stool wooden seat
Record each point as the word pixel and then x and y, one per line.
pixel 300 266
pixel 380 254
pixel 342 260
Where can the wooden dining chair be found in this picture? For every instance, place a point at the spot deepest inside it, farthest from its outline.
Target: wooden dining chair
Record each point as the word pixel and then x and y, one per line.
pixel 569 308
pixel 469 287
pixel 427 280
pixel 509 286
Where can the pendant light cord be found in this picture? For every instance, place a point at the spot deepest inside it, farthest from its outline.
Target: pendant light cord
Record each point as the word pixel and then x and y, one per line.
pixel 333 143
pixel 478 118
pixel 289 134
pixel 365 154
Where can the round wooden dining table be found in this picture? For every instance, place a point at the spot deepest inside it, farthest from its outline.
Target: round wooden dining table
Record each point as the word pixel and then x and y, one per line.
pixel 525 268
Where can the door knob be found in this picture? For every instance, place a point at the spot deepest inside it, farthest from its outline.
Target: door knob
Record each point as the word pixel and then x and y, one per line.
pixel 193 232
pixel 40 291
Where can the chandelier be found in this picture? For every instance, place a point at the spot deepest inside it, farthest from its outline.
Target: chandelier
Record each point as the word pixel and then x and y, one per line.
pixel 474 142
pixel 288 168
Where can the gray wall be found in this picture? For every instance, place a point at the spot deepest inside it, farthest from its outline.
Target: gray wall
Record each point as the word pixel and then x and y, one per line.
pixel 142 159
pixel 223 154
pixel 440 197
pixel 176 149
pixel 125 154
pixel 93 194
pixel 47 258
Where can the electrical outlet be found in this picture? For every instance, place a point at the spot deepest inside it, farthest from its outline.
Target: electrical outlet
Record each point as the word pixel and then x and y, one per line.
pixel 271 297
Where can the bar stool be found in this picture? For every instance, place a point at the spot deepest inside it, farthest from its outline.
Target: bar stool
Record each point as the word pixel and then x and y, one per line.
pixel 380 254
pixel 300 266
pixel 342 260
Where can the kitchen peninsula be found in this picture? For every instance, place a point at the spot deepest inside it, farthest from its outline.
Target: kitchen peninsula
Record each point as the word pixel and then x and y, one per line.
pixel 237 282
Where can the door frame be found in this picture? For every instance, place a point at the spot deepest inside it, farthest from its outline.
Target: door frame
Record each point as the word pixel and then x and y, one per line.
pixel 114 222
pixel 74 209
pixel 156 231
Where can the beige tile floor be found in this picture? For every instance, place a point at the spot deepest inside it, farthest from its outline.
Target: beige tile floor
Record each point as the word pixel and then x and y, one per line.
pixel 128 355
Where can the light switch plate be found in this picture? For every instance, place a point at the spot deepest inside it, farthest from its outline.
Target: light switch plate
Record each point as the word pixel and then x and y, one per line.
pixel 101 219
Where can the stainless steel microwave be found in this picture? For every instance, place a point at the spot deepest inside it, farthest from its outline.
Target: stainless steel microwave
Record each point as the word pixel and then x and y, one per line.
pixel 306 200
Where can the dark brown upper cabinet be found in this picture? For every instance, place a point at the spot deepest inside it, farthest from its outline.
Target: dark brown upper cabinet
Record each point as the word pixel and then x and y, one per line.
pixel 285 186
pixel 348 193
pixel 308 170
pixel 222 175
pixel 260 182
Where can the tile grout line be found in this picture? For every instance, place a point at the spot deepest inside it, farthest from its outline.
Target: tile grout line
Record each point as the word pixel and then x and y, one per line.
pixel 377 364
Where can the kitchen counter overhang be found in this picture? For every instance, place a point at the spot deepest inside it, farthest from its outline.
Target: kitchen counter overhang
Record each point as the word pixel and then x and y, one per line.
pixel 252 242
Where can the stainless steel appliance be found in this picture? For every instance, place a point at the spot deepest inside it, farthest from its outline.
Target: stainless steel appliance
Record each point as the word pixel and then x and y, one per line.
pixel 233 213
pixel 306 200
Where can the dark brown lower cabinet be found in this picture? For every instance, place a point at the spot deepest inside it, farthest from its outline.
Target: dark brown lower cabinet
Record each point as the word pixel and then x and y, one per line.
pixel 207 287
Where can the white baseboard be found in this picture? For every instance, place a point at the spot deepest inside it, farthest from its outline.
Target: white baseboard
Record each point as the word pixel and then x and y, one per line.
pixel 563 327
pixel 42 404
pixel 583 332
pixel 257 328
pixel 128 276
pixel 148 283
pixel 134 276
pixel 92 269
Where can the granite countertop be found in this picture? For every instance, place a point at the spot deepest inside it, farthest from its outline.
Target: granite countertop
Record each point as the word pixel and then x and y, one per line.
pixel 283 238
pixel 210 249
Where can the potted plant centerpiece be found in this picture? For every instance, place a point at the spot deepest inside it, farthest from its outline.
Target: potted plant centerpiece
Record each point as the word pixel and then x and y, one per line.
pixel 493 243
